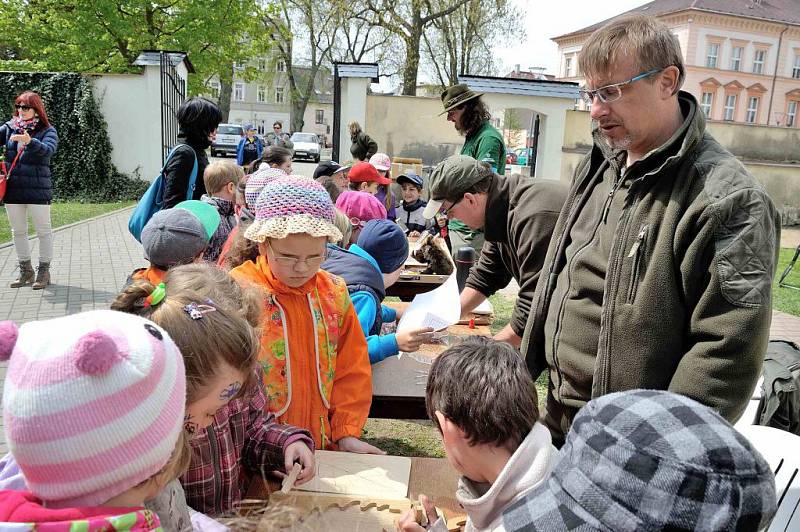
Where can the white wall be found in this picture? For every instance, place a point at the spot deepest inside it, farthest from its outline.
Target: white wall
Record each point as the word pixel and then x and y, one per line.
pixel 353 107
pixel 131 106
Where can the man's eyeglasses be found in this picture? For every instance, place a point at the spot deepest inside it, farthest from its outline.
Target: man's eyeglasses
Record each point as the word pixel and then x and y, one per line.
pixel 613 92
pixel 276 127
pixel 450 208
pixel 291 262
pixel 23 107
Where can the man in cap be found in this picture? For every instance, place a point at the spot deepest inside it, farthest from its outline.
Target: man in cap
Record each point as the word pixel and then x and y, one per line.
pixel 332 176
pixel 467 111
pixel 250 147
pixel 659 272
pixel 523 214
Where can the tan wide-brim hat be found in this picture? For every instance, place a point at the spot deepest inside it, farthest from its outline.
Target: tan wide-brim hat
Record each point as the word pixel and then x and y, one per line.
pixel 454 96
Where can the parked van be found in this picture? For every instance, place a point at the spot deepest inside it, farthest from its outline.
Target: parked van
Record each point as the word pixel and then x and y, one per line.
pixel 228 137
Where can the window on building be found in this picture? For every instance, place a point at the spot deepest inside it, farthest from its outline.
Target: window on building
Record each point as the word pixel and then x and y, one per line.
pixel 706 102
pixel 758 61
pixel 238 91
pixel 262 64
pixel 278 94
pixel 261 127
pixel 319 116
pixel 214 89
pixel 261 95
pixel 791 113
pixel 238 65
pixel 567 67
pixel 752 109
pixel 280 66
pixel 712 53
pixel 796 67
pixel 730 106
pixel 736 58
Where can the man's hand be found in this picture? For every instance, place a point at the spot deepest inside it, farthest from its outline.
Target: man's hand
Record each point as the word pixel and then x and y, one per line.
pixel 354 445
pixel 408 521
pixel 299 452
pixel 409 341
pixel 507 334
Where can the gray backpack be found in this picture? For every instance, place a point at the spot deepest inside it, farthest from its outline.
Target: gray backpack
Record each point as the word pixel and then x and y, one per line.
pixel 779 406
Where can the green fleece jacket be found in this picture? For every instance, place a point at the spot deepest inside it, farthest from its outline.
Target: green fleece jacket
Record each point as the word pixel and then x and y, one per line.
pixel 686 299
pixel 520 215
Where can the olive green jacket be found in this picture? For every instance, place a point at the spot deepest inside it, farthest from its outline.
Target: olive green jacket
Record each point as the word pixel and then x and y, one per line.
pixel 687 298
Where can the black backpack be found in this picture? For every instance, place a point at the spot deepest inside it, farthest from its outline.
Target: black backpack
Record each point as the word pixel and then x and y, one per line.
pixel 779 406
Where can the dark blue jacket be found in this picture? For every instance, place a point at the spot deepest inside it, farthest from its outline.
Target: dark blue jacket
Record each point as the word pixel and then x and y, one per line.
pixel 240 150
pixel 30 182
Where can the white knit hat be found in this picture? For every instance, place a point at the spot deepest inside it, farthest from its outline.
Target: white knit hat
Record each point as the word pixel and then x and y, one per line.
pixel 93 403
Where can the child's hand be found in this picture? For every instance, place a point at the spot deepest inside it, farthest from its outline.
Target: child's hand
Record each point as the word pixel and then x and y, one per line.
pixel 413 235
pixel 354 445
pixel 299 452
pixel 408 521
pixel 409 341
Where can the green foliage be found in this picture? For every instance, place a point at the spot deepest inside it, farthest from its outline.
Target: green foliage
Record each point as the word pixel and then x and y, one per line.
pixel 784 298
pixel 64 214
pixel 108 35
pixel 82 165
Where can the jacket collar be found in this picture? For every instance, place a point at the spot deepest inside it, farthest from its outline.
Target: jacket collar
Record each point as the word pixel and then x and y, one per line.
pixel 495 225
pixel 528 467
pixel 411 207
pixel 682 141
pixel 225 207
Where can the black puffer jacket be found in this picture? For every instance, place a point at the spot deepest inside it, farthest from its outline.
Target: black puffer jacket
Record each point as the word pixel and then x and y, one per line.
pixel 30 182
pixel 179 168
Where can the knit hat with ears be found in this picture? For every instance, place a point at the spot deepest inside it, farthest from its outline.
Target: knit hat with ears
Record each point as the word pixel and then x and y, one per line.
pixel 93 404
pixel 293 204
pixel 257 181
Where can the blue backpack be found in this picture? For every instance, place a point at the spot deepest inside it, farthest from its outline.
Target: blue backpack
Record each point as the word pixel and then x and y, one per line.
pixel 153 199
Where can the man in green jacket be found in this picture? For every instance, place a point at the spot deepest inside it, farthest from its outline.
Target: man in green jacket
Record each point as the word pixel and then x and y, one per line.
pixel 660 268
pixel 469 114
pixel 523 214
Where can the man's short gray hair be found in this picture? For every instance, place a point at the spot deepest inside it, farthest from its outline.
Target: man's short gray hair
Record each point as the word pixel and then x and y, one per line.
pixel 642 37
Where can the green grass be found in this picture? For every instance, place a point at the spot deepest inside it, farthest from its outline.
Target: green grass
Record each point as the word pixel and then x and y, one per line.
pixel 64 214
pixel 787 299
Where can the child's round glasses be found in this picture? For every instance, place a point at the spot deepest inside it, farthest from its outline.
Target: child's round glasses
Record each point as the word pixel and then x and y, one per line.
pixel 313 261
pixel 613 92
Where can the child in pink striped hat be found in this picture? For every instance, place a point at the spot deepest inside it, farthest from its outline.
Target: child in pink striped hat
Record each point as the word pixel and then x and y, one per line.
pixel 93 407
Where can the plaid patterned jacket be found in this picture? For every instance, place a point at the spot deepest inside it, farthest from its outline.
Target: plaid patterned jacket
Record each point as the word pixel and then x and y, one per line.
pixel 243 440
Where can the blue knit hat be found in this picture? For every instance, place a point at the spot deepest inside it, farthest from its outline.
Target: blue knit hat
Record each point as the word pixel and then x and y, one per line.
pixel 386 242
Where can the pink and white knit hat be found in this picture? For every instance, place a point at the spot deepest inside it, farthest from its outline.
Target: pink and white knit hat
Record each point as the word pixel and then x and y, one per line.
pixel 293 204
pixel 93 403
pixel 257 181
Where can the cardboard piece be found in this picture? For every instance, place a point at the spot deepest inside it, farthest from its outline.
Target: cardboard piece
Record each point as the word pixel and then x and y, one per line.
pixel 323 511
pixel 360 475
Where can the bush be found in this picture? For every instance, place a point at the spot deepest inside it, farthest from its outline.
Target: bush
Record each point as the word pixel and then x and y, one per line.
pixel 82 167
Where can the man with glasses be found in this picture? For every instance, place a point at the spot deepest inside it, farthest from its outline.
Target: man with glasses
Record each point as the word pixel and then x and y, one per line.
pixel 517 215
pixel 277 137
pixel 660 267
pixel 471 118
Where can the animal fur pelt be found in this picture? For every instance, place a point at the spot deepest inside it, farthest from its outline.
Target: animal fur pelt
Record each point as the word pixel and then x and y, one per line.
pixel 433 252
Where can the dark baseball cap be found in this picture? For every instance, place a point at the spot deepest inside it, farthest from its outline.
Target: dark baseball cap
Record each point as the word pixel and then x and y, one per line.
pixel 410 177
pixel 328 168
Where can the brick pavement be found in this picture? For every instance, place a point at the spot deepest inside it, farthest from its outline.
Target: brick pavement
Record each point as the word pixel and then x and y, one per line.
pixel 92 259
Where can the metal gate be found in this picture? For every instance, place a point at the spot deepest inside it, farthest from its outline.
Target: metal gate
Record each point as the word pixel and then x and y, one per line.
pixel 173 94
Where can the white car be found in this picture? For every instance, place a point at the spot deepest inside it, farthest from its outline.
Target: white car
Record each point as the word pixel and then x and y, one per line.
pixel 306 146
pixel 228 137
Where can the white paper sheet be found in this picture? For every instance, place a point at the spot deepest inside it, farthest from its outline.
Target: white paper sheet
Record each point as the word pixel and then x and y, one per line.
pixel 439 308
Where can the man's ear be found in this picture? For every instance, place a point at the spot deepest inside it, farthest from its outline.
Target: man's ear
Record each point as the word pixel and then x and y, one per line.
pixel 668 81
pixel 450 431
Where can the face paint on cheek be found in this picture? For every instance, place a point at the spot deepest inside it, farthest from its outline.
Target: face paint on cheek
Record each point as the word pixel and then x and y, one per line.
pixel 188 425
pixel 230 391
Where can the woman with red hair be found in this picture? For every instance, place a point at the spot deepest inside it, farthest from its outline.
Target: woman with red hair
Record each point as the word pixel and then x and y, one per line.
pixel 31 141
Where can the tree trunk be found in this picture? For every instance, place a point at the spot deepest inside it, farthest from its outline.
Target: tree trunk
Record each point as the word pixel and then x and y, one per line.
pixel 411 68
pixel 298 111
pixel 225 93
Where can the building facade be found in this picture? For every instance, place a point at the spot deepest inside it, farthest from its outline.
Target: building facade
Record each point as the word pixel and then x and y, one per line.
pixel 263 98
pixel 742 58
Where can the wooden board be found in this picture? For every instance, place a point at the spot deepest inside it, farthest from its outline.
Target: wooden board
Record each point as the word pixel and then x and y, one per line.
pixel 364 475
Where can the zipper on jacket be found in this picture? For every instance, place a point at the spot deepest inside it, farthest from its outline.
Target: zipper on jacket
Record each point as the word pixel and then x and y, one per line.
pixel 610 197
pixel 636 252
pixel 212 441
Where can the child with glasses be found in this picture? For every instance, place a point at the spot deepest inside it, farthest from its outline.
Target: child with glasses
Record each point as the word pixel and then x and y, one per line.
pixel 313 352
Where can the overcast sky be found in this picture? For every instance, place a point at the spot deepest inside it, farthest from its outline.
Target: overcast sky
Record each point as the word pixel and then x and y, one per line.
pixel 546 19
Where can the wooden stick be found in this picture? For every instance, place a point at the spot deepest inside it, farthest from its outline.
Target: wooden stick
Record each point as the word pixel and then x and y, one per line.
pixel 291 478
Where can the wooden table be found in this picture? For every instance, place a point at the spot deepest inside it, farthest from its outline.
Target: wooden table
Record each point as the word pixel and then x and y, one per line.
pixel 434 477
pixel 398 384
pixel 411 281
